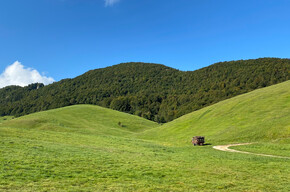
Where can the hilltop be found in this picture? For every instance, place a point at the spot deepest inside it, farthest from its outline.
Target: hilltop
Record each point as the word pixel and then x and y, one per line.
pixel 82 119
pixel 152 91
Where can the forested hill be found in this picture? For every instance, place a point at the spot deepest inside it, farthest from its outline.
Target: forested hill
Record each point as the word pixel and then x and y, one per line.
pixel 152 91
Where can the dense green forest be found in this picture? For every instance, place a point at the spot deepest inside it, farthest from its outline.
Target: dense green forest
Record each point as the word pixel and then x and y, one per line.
pixel 152 91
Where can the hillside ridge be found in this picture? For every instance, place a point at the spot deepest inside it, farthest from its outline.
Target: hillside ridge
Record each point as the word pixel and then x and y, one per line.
pixel 258 116
pixel 152 91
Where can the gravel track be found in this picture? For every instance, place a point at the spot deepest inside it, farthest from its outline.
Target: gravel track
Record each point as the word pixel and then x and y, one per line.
pixel 226 148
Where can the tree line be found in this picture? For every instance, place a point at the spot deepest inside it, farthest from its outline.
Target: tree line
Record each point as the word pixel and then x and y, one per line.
pixel 153 91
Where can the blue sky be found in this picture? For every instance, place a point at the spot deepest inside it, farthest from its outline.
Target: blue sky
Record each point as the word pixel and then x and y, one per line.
pixel 65 38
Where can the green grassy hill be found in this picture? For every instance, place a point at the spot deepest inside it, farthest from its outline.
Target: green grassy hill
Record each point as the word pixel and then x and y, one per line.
pixel 83 148
pixel 261 115
pixel 87 119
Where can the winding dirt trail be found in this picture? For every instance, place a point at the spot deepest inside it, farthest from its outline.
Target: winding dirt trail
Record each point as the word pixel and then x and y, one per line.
pixel 226 148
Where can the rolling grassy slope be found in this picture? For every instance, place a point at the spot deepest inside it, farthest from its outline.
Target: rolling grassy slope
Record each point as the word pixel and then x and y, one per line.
pixel 5 118
pixel 82 148
pixel 261 115
pixel 85 119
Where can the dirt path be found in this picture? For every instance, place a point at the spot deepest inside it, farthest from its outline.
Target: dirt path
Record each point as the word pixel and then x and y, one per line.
pixel 226 148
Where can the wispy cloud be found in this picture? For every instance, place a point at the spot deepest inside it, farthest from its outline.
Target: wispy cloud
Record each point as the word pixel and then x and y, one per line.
pixel 17 74
pixel 111 2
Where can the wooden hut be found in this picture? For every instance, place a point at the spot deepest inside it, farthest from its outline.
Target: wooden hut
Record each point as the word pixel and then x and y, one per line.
pixel 197 140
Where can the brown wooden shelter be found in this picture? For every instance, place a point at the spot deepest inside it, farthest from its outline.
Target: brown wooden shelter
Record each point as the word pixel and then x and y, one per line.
pixel 198 140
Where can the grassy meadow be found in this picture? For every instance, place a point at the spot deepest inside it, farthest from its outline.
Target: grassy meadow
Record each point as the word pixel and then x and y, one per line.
pixel 5 118
pixel 261 115
pixel 85 148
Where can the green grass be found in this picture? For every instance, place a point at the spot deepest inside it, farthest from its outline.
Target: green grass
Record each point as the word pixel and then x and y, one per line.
pixel 5 118
pixel 262 115
pixel 267 148
pixel 83 119
pixel 82 148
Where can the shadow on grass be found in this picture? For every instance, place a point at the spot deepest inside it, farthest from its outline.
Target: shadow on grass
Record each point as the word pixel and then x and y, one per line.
pixel 205 144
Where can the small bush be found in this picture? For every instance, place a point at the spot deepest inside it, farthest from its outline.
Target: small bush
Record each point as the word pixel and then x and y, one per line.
pixel 120 124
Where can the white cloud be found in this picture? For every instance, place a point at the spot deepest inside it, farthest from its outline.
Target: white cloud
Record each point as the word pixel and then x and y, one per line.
pixel 17 74
pixel 110 2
